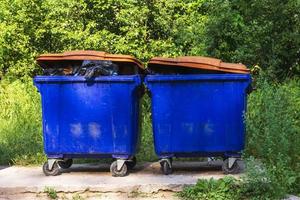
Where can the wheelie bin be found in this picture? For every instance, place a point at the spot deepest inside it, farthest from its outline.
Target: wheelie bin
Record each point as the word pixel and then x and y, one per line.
pixel 198 107
pixel 87 114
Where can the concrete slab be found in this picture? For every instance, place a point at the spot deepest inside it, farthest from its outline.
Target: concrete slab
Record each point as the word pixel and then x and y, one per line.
pixel 145 178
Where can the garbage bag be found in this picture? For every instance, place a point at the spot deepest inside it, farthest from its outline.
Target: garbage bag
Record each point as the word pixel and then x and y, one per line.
pixel 94 68
pixel 88 69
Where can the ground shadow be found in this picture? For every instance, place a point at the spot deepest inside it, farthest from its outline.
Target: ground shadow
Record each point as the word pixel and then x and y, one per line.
pixel 179 167
pixel 4 167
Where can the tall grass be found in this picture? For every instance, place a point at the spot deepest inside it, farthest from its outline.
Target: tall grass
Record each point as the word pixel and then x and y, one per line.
pixel 146 151
pixel 20 123
pixel 273 132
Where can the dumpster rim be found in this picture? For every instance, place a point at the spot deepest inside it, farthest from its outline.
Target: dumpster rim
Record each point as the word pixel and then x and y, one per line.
pixel 197 77
pixel 63 79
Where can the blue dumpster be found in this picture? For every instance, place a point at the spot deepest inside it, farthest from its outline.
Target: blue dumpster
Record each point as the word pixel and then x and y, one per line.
pixel 97 118
pixel 198 115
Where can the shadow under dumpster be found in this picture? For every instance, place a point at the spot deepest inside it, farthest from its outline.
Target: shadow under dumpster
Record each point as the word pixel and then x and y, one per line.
pixel 187 167
pixel 4 167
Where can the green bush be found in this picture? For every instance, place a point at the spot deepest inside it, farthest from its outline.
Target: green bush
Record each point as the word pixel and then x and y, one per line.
pixel 257 183
pixel 222 189
pixel 143 29
pixel 273 132
pixel 20 124
pixel 264 33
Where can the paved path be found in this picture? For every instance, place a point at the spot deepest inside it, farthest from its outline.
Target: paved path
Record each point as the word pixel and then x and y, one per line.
pixel 145 178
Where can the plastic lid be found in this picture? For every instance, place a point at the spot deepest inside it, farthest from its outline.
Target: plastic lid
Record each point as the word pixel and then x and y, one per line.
pixel 199 62
pixel 87 55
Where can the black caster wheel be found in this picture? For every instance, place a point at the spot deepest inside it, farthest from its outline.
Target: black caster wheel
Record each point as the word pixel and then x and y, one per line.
pixel 235 168
pixel 118 173
pixel 170 160
pixel 65 164
pixel 53 172
pixel 166 168
pixel 131 163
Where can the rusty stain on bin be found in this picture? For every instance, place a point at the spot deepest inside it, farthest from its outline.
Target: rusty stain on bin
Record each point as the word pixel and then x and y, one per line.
pixel 199 62
pixel 86 55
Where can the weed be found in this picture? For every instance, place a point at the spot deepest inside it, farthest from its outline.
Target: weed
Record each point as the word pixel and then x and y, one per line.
pixel 51 192
pixel 222 189
pixel 273 129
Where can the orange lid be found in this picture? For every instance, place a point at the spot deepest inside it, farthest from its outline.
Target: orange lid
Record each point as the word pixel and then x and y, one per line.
pixel 199 62
pixel 87 55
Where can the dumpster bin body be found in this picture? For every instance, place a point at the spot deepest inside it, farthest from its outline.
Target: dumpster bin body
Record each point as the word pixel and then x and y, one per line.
pixel 198 115
pixel 90 119
pixel 96 117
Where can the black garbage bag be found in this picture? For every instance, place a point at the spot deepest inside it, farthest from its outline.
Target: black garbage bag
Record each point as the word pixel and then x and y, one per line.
pixel 53 72
pixel 88 69
pixel 94 68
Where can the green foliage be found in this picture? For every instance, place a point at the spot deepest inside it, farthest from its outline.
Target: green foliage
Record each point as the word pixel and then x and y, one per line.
pixel 146 149
pixel 51 192
pixel 273 130
pixel 20 123
pixel 264 33
pixel 259 183
pixel 143 29
pixel 222 189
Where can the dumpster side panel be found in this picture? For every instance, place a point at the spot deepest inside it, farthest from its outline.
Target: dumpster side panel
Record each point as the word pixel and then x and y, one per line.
pixel 90 118
pixel 198 114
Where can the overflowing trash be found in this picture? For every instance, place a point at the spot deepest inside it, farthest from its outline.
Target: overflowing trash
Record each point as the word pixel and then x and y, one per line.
pixel 88 69
pixel 98 68
pixel 89 64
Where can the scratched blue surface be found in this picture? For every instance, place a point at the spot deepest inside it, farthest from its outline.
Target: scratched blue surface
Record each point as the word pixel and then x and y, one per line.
pixel 196 115
pixel 97 118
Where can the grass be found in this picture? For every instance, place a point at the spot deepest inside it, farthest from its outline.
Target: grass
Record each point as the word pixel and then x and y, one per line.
pixel 20 124
pixel 146 149
pixel 51 192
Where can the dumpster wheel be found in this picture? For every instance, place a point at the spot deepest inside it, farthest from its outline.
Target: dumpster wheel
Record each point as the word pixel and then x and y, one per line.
pixel 118 173
pixel 234 169
pixel 51 172
pixel 65 164
pixel 166 167
pixel 131 163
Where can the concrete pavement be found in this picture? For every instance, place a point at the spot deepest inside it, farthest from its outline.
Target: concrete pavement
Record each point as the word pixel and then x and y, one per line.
pixel 145 178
